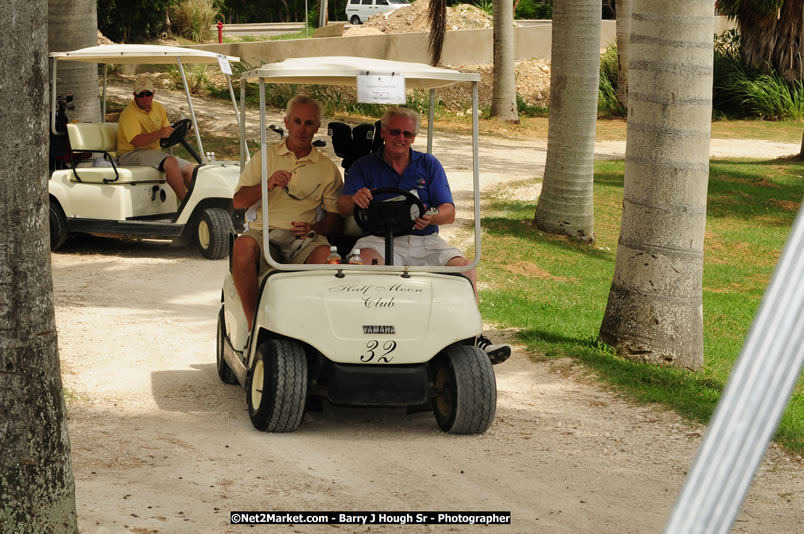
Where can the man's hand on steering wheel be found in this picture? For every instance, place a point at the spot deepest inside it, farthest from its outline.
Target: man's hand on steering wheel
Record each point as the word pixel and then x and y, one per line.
pixel 178 131
pixel 362 197
pixel 423 222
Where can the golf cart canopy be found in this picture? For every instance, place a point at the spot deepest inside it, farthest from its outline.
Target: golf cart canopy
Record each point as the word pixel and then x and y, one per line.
pixel 140 54
pixel 343 70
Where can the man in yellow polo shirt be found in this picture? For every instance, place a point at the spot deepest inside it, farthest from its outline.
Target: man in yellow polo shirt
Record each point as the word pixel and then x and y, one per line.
pixel 140 127
pixel 301 180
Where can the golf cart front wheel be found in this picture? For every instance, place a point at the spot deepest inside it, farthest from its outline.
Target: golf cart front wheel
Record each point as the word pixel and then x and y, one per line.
pixel 277 386
pixel 212 233
pixel 466 390
pixel 225 372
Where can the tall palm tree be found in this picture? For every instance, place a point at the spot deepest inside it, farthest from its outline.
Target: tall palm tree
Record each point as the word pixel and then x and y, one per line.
pixel 503 96
pixel 566 204
pixel 623 33
pixel 38 492
pixel 771 34
pixel 654 311
pixel 73 24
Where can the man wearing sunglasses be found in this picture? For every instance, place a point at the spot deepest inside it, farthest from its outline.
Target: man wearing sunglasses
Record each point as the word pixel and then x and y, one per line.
pixel 302 181
pixel 396 164
pixel 140 127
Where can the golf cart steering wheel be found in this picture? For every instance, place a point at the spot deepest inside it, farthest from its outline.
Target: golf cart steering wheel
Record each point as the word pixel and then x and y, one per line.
pixel 180 130
pixel 397 216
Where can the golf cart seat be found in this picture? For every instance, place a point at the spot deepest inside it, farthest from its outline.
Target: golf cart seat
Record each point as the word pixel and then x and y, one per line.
pixel 350 143
pixel 91 137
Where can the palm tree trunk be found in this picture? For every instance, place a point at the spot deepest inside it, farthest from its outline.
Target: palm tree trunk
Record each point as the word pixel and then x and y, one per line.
pixel 503 98
pixel 623 49
pixel 38 493
pixel 770 39
pixel 654 312
pixel 566 204
pixel 73 24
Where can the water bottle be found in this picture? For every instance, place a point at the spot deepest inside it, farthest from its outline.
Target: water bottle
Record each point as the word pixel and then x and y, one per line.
pixel 333 257
pixel 355 258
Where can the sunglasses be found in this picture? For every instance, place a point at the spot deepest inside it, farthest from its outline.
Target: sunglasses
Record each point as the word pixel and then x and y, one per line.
pixel 396 131
pixel 145 93
pixel 294 197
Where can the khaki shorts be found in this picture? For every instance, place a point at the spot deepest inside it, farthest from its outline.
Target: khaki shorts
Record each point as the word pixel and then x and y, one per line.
pixel 149 158
pixel 298 255
pixel 413 249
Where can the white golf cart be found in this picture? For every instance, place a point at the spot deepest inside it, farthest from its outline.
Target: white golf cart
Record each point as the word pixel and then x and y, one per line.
pixel 90 193
pixel 365 335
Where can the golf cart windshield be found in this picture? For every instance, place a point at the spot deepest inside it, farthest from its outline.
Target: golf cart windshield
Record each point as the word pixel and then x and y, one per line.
pixel 346 71
pixel 120 54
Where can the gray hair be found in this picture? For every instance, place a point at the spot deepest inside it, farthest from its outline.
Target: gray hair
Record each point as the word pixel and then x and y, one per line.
pixel 399 111
pixel 303 100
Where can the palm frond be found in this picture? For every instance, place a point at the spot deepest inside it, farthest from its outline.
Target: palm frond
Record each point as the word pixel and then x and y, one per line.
pixel 438 29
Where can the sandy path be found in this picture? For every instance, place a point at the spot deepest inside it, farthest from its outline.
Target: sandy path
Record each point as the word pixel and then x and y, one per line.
pixel 161 445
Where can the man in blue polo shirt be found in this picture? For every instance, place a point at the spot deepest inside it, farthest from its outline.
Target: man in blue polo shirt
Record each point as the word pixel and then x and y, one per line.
pixel 398 165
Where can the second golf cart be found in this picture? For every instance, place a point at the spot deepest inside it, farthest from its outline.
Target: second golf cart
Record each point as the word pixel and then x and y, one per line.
pixel 366 335
pixel 90 193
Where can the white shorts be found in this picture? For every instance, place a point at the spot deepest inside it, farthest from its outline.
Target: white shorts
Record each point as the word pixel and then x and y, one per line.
pixel 413 249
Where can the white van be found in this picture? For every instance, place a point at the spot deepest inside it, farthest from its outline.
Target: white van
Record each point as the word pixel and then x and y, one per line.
pixel 357 11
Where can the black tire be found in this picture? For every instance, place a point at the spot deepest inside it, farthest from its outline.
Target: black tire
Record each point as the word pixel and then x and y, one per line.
pixel 355 20
pixel 212 230
pixel 225 372
pixel 58 226
pixel 466 390
pixel 277 386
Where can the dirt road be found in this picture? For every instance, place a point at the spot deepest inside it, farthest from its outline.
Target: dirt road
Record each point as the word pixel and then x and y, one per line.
pixel 161 445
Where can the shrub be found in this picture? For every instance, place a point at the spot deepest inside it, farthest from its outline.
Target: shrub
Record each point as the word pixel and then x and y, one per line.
pixel 193 19
pixel 607 96
pixel 532 9
pixel 197 79
pixel 740 92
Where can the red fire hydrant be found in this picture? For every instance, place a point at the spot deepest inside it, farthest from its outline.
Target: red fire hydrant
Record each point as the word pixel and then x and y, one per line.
pixel 220 32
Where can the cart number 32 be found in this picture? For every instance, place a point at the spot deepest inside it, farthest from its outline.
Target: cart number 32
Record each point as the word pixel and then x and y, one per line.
pixel 373 348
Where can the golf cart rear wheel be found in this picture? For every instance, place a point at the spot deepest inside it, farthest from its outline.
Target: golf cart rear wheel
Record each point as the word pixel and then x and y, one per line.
pixel 466 390
pixel 277 386
pixel 225 372
pixel 212 233
pixel 58 226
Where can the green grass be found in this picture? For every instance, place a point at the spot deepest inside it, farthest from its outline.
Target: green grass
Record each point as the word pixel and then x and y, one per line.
pixel 553 291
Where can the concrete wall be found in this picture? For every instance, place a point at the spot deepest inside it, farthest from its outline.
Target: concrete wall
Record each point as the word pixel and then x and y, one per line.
pixel 460 47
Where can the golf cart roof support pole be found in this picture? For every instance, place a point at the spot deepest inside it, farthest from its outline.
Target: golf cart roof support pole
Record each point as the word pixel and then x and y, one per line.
pixel 264 179
pixel 103 98
pixel 244 155
pixel 234 100
pixel 53 97
pixel 476 170
pixel 192 112
pixel 752 402
pixel 430 124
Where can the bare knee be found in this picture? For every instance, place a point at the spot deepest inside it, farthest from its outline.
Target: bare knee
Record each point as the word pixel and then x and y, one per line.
pixel 245 254
pixel 319 255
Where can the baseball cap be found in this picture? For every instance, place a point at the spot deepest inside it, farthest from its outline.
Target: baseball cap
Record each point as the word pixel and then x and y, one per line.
pixel 143 84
